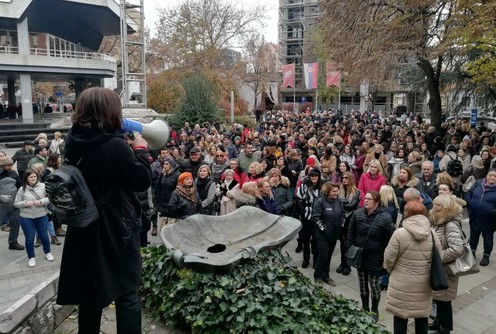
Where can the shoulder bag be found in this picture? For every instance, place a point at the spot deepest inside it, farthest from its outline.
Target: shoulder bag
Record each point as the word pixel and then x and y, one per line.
pixel 439 281
pixel 465 264
pixel 468 183
pixel 354 253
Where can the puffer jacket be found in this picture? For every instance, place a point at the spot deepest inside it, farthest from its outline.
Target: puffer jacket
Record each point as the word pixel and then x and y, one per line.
pixel 181 207
pixel 481 204
pixel 162 190
pixel 24 195
pixel 373 253
pixel 328 214
pixel 408 259
pixel 446 223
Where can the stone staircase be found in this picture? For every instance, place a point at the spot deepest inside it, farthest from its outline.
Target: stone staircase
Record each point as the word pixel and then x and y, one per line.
pixel 14 132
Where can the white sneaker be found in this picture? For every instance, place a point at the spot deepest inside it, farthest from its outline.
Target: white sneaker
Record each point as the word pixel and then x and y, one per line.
pixel 49 257
pixel 32 262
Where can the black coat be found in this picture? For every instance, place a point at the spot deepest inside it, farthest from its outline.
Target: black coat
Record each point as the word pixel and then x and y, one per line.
pixel 102 261
pixel 180 207
pixel 373 253
pixel 328 213
pixel 165 185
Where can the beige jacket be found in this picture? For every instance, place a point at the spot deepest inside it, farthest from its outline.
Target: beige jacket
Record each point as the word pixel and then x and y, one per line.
pixel 408 259
pixel 447 224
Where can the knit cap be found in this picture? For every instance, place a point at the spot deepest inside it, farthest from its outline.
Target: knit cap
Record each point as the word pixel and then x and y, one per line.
pixel 170 161
pixel 310 161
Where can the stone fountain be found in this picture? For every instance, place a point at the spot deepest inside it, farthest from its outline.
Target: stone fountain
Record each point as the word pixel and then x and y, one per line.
pixel 218 243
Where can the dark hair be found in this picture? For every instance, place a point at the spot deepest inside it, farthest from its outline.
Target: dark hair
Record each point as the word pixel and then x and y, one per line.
pixel 53 160
pixel 38 149
pixel 375 195
pixel 25 176
pixel 98 109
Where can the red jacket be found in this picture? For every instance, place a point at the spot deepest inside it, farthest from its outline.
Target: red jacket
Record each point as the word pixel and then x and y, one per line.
pixel 367 183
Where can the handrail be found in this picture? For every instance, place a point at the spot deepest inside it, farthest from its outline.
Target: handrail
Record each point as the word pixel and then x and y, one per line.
pixel 59 53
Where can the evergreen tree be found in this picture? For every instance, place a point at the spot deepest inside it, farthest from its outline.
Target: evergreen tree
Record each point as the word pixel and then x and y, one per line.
pixel 198 104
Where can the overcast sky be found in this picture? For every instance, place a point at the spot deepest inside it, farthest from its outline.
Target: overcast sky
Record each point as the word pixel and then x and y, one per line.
pixel 271 23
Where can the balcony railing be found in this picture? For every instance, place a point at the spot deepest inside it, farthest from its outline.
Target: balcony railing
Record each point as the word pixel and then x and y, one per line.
pixel 59 53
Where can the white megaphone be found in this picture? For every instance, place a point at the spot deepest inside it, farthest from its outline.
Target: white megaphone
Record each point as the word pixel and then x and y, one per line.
pixel 156 133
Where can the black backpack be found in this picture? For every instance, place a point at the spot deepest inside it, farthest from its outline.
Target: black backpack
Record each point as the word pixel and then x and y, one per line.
pixel 455 167
pixel 70 196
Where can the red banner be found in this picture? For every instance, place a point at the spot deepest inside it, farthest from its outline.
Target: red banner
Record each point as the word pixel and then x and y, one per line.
pixel 288 75
pixel 333 77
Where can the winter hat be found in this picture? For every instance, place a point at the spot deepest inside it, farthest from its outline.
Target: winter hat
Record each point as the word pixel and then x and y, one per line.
pixel 310 162
pixel 467 138
pixel 171 161
pixel 6 161
pixel 314 171
pixel 184 176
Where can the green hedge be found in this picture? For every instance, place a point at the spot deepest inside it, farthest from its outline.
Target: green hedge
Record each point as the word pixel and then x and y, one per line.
pixel 267 294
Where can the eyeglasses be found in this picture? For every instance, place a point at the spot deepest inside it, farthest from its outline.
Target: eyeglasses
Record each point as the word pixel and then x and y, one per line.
pixel 345 177
pixel 220 155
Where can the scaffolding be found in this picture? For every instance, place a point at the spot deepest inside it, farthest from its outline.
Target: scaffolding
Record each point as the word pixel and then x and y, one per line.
pixel 133 71
pixel 296 18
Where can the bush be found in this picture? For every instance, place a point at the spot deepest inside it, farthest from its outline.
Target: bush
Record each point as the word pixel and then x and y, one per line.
pixel 265 295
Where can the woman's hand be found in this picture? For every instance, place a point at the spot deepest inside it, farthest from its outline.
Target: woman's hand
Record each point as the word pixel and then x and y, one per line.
pixel 29 203
pixel 139 142
pixel 37 203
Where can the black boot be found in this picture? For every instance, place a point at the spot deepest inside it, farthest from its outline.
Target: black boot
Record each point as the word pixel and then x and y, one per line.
pixel 346 270
pixel 434 326
pixel 339 270
pixel 365 302
pixel 444 330
pixel 299 248
pixel 485 260
pixel 375 309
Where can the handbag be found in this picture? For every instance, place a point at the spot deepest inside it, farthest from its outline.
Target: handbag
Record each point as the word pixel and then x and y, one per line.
pixel 354 253
pixel 354 256
pixel 439 281
pixel 468 183
pixel 465 264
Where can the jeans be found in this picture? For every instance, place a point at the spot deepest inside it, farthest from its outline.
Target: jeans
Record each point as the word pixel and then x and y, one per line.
pixel 50 229
pixel 128 316
pixel 400 325
pixel 487 236
pixel 12 213
pixel 326 248
pixel 40 225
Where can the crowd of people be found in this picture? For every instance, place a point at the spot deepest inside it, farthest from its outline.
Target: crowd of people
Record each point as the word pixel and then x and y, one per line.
pixel 357 179
pixel 379 184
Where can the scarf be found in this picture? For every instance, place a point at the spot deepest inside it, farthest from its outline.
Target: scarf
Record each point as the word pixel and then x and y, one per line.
pixel 187 192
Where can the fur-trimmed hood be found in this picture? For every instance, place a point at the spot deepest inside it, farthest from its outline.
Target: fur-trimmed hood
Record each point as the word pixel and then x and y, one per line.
pixel 411 183
pixel 449 214
pixel 241 198
pixel 284 180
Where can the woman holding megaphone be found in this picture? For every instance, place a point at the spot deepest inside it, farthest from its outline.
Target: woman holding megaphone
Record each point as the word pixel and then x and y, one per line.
pixel 101 263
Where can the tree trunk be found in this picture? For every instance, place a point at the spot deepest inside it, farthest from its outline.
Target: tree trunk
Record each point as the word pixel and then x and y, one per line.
pixel 432 77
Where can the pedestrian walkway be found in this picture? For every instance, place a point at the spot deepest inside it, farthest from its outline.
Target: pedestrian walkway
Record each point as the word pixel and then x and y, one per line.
pixel 473 309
